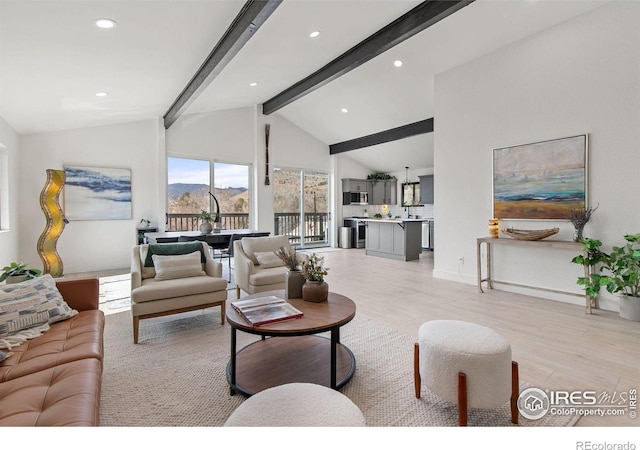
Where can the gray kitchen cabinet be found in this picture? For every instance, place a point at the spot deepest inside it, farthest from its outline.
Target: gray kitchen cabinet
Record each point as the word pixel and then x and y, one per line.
pixel 378 191
pixel 355 185
pixel 426 189
pixel 384 192
pixel 392 193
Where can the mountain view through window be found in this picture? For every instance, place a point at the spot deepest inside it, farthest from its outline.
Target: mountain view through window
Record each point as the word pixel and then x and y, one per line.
pixel 189 184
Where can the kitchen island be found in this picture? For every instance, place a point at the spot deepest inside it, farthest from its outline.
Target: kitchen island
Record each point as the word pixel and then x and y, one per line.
pixel 399 239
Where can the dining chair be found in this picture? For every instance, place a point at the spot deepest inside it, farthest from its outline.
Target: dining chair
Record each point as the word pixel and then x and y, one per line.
pixel 228 252
pixel 197 238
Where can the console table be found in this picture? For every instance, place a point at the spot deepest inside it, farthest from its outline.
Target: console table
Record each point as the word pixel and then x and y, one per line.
pixel 489 242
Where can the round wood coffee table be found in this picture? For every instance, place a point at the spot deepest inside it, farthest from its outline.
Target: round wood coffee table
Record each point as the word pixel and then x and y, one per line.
pixel 290 351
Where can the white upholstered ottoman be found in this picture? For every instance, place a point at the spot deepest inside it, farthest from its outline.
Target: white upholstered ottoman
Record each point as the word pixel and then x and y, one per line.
pixel 467 364
pixel 297 405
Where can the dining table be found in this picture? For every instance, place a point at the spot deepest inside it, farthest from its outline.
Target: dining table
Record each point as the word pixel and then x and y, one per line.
pixel 218 240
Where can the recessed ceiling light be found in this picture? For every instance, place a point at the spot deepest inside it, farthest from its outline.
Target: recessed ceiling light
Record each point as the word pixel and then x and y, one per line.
pixel 105 23
pixel 314 34
pixel 398 63
pixel 344 110
pixel 101 94
pixel 253 84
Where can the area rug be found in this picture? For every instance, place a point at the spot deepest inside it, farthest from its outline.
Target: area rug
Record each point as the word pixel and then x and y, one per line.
pixel 175 376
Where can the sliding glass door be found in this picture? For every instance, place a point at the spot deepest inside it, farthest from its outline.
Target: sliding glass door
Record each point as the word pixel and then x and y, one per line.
pixel 301 206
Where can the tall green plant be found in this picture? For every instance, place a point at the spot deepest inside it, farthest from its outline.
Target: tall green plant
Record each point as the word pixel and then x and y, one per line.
pixel 591 257
pixel 619 271
pixel 623 265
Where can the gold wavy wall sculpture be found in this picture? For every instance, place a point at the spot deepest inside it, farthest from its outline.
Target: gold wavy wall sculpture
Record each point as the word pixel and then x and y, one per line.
pixel 50 204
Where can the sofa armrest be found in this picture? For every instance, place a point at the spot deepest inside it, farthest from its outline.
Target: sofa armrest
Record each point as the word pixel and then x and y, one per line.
pixel 213 268
pixel 242 265
pixel 136 268
pixel 81 294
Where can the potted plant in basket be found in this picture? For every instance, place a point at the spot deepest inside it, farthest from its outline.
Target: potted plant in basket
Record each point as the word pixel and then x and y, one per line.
pixel 18 272
pixel 315 289
pixel 619 272
pixel 293 279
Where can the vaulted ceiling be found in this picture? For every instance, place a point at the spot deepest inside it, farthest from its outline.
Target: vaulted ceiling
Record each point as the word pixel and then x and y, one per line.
pixel 53 60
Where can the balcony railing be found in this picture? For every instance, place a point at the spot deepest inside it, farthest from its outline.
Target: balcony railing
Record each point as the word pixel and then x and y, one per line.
pixel 190 222
pixel 288 224
pixel 315 227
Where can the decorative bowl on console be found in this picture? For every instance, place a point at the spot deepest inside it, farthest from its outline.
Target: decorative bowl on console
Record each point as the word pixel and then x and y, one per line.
pixel 530 235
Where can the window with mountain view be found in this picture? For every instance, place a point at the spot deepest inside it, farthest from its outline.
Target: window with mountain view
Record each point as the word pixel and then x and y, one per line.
pixel 189 184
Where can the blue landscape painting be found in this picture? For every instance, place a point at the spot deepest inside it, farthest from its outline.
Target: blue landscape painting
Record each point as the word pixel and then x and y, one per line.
pixel 93 193
pixel 545 180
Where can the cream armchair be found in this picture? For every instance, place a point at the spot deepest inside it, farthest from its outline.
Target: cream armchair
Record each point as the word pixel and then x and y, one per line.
pixel 257 268
pixel 176 282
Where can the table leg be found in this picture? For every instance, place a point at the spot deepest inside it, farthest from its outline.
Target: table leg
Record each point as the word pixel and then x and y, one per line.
pixel 233 361
pixel 589 300
pixel 335 339
pixel 479 265
pixel 489 274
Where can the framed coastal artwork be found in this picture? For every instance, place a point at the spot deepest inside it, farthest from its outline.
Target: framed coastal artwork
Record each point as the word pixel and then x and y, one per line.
pixel 97 193
pixel 544 180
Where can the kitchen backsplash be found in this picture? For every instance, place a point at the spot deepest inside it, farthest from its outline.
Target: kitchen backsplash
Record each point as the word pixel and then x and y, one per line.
pixel 424 212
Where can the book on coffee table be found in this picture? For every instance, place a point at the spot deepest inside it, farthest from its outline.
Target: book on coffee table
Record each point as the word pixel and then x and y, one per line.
pixel 264 310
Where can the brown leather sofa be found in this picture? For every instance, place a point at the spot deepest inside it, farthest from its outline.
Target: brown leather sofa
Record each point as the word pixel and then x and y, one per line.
pixel 55 379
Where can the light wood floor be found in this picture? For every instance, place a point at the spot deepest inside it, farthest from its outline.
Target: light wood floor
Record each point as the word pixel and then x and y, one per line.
pixel 556 344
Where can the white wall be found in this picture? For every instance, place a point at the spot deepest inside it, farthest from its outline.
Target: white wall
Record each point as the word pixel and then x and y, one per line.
pixel 582 76
pixel 90 245
pixel 9 166
pixel 227 136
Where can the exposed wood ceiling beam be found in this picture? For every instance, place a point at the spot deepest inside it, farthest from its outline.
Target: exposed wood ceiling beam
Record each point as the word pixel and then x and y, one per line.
pixel 418 19
pixel 251 17
pixel 393 134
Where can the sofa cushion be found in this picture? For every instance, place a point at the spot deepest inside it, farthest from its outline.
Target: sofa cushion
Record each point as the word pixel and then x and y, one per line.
pixel 263 244
pixel 146 254
pixel 71 340
pixel 173 248
pixel 177 266
pixel 30 305
pixel 264 277
pixel 65 395
pixel 268 260
pixel 152 289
